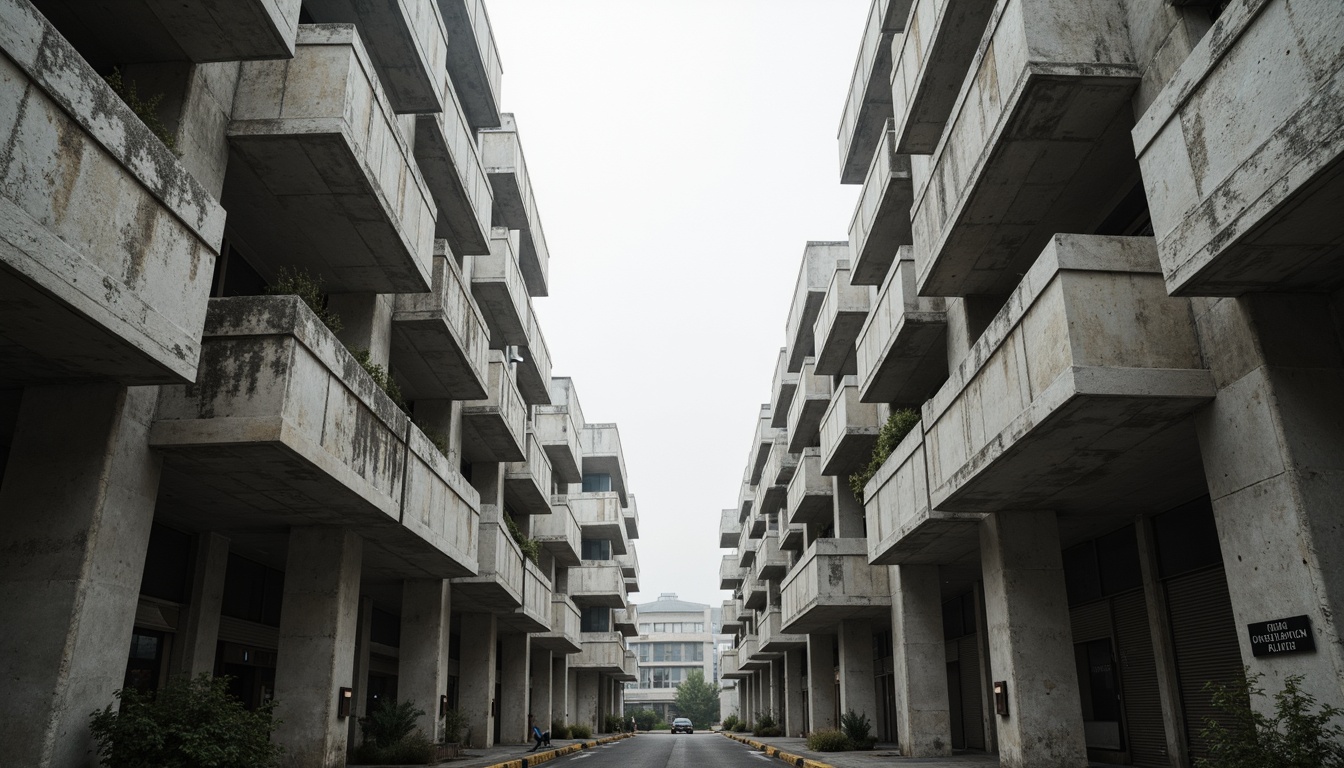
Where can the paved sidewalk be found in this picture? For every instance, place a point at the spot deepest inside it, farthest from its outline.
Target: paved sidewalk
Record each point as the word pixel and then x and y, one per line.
pixel 517 755
pixel 795 752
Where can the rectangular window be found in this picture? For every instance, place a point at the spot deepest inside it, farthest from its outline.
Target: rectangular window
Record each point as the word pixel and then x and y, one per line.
pixel 596 483
pixel 595 618
pixel 596 549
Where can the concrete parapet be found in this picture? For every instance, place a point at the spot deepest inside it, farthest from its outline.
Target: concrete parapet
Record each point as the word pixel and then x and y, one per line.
pixel 559 532
pixel 597 583
pixel 868 104
pixel 534 370
pixel 833 582
pixel 473 60
pixel 558 426
pixel 848 430
pixel 600 516
pixel 494 428
pixel 814 277
pixel 440 345
pixel 839 320
pixel 515 206
pixel 407 42
pixel 809 406
pixel 901 353
pixel 527 483
pixel 497 283
pixel 783 384
pixel 929 66
pixel 602 454
pixel 881 221
pixel 811 498
pixel 445 150
pixel 564 635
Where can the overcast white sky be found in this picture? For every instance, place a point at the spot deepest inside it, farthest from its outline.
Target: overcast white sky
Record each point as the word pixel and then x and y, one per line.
pixel 682 152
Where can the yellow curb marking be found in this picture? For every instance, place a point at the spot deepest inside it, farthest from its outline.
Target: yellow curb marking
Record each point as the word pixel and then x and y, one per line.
pixel 796 760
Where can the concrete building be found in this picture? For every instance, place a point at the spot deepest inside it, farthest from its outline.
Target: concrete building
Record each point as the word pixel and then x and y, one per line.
pixel 676 637
pixel 1096 253
pixel 218 476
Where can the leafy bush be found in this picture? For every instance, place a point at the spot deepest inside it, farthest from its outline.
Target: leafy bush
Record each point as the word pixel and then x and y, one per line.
pixel 1294 737
pixel 893 432
pixel 440 441
pixel 414 749
pixel 380 377
pixel 191 723
pixel 147 111
pixel 661 726
pixel 858 730
pixel 730 722
pixel 454 726
pixel 297 282
pixel 612 724
pixel 531 550
pixel 559 730
pixel 389 722
pixel 645 719
pixel 580 732
pixel 766 725
pixel 828 741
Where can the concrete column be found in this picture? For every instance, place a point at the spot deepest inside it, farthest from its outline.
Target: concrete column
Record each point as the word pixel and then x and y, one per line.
pixel 194 649
pixel 366 323
pixel 476 681
pixel 849 516
pixel 572 713
pixel 923 723
pixel 359 686
pixel 514 680
pixel 422 658
pixel 1272 445
pixel 441 420
pixel 989 723
pixel 317 643
pixel 541 694
pixel 1031 641
pixel 75 514
pixel 749 698
pixel 560 687
pixel 821 682
pixel 794 723
pixel 1164 652
pixel 857 687
pixel 585 698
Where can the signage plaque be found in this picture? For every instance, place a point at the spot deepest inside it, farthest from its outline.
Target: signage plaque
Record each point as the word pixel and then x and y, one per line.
pixel 1290 635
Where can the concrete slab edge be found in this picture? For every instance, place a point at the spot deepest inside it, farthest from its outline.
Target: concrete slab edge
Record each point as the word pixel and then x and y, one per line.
pixel 543 757
pixel 791 759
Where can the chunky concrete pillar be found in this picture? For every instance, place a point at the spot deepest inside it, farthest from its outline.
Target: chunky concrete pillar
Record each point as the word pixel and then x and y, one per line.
pixel 541 696
pixel 514 676
pixel 559 688
pixel 1272 445
pixel 821 682
pixel 585 699
pixel 572 713
pixel 75 514
pixel 366 323
pixel 793 722
pixel 1031 641
pixel 476 680
pixel 359 686
pixel 422 658
pixel 857 686
pixel 194 649
pixel 923 722
pixel 317 644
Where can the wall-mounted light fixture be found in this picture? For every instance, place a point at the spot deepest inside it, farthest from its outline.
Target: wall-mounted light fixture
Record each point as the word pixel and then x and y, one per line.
pixel 1001 697
pixel 343 701
pixel 443 704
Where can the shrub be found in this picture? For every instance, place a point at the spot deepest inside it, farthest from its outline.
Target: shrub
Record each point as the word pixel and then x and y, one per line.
pixel 730 722
pixel 1295 736
pixel 742 727
pixel 297 282
pixel 532 551
pixel 858 730
pixel 893 432
pixel 559 730
pixel 191 723
pixel 380 377
pixel 645 719
pixel 389 722
pixel 454 726
pixel 766 725
pixel 612 724
pixel 147 111
pixel 580 732
pixel 412 749
pixel 828 741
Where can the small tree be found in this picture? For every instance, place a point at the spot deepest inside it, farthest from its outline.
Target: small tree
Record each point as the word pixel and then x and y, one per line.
pixel 698 700
pixel 644 719
pixel 1295 736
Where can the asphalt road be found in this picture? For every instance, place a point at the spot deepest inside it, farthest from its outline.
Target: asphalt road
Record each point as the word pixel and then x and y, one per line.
pixel 665 750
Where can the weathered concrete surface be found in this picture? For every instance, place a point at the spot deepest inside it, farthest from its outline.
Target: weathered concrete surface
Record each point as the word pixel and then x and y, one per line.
pixel 821 682
pixel 730 528
pixel 929 64
pixel 841 316
pixel 855 640
pixel 1075 390
pixel 557 426
pixel 107 243
pixel 730 573
pixel 1241 153
pixel 497 585
pixel 564 636
pixel 196 642
pixel 901 355
pixel 922 717
pixel 1044 113
pixel 602 652
pixel 783 385
pixel 67 599
pixel 602 455
pixel 317 644
pixel 515 670
pixel 831 583
pixel 771 636
pixel 407 42
pixel 534 371
pixel 527 483
pixel 473 60
pixel 771 563
pixel 1030 641
pixel 848 430
pixel 439 342
pixel 597 583
pixel 445 150
pixel 814 277
pixel 559 533
pixel 881 221
pixel 422 655
pixel 497 283
pixel 493 428
pixel 601 516
pixel 476 684
pixel 515 206
pixel 868 104
pixel 320 175
pixel 780 466
pixel 809 406
pixel 793 720
pixel 811 498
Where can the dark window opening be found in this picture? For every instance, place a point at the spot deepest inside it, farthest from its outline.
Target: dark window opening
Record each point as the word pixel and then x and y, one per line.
pixel 252 592
pixel 1187 539
pixel 596 483
pixel 595 618
pixel 384 628
pixel 596 549
pixel 234 276
pixel 1130 217
pixel 167 563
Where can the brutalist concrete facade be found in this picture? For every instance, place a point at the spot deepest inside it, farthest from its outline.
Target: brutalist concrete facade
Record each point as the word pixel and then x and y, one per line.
pixel 208 471
pixel 1099 243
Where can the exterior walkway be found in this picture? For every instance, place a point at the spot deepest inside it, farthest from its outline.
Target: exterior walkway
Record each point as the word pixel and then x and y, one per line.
pixel 790 750
pixel 512 755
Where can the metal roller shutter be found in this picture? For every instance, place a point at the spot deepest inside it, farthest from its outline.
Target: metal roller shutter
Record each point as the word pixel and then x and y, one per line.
pixel 1204 634
pixel 1091 621
pixel 1138 681
pixel 972 710
pixel 233 630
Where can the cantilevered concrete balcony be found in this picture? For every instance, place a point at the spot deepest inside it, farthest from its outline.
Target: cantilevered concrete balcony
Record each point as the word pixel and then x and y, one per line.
pixel 601 516
pixel 445 150
pixel 749 655
pixel 1043 114
pixel 632 518
pixel 1253 202
pixel 626 621
pixel 746 549
pixel 497 586
pixel 534 615
pixel 809 406
pixel 534 371
pixel 833 582
pixel 498 286
pixel 493 427
pixel 771 638
pixel 598 582
pixel 902 349
pixel 107 242
pixel 155 31
pixel 320 176
pixel 730 528
pixel 728 668
pixel 473 60
pixel 814 277
pixel 753 592
pixel 527 483
pixel 848 430
pixel 903 528
pixel 439 340
pixel 779 468
pixel 756 524
pixel 729 621
pixel 602 454
pixel 746 500
pixel 564 635
pixel 630 670
pixel 730 573
pixel 792 537
pixel 407 42
pixel 515 207
pixel 811 494
pixel 558 426
pixel 602 652
pixel 782 387
pixel 284 428
pixel 1068 402
pixel 868 105
pixel 881 222
pixel 559 532
pixel 841 317
pixel 929 65
pixel 629 563
pixel 771 562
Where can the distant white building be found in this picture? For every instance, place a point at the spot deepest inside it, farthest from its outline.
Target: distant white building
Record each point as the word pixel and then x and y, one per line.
pixel 676 637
